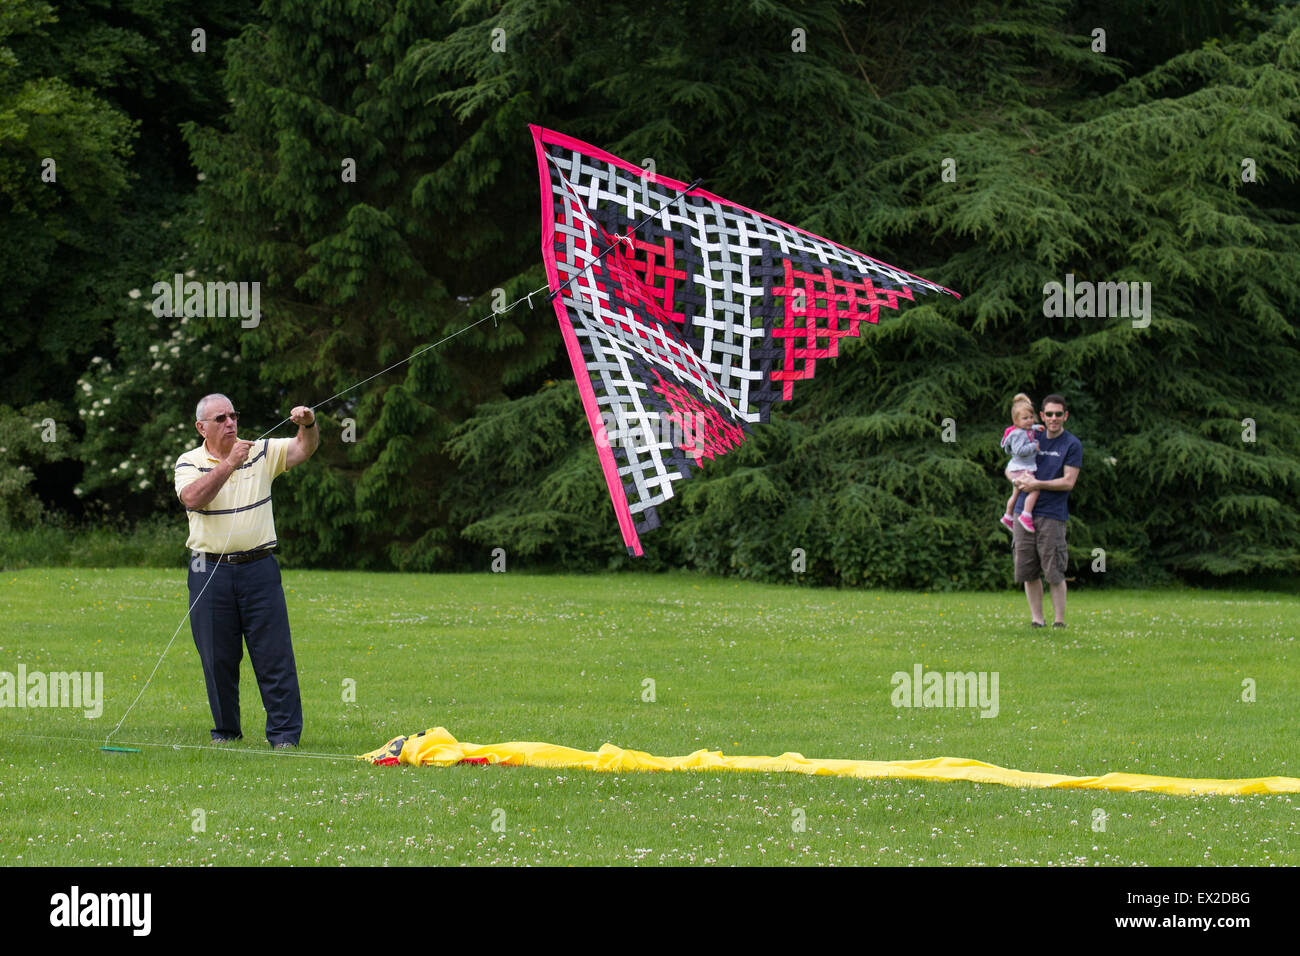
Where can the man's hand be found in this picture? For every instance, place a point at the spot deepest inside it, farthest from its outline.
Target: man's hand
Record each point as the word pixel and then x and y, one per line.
pixel 304 443
pixel 1064 483
pixel 200 492
pixel 238 453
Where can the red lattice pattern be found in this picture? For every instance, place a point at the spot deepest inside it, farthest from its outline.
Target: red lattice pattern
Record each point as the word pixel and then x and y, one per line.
pixel 705 433
pixel 646 274
pixel 826 303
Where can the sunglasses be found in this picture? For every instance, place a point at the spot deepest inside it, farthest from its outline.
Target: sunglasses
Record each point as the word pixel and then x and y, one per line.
pixel 1053 414
pixel 233 416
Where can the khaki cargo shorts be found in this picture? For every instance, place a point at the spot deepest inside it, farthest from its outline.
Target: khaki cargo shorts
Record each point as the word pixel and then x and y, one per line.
pixel 1040 555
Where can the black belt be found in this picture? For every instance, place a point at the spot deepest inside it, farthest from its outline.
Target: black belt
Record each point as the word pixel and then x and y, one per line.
pixel 238 558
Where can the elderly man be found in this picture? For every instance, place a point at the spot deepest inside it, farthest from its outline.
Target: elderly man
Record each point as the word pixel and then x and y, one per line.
pixel 234 580
pixel 1042 553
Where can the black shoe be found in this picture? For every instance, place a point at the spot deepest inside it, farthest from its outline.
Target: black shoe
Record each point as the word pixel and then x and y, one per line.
pixel 284 745
pixel 1036 624
pixel 225 740
pixel 1059 624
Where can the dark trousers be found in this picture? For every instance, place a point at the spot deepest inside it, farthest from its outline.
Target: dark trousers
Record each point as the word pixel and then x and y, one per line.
pixel 245 602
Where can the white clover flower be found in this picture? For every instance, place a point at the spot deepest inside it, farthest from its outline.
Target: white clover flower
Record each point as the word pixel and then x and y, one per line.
pixel 85 388
pixel 134 293
pixel 77 491
pixel 101 413
pixel 96 360
pixel 189 274
pixel 139 471
pixel 108 401
pixel 200 177
pixel 175 350
pixel 166 368
pixel 153 350
pixel 157 391
pixel 124 466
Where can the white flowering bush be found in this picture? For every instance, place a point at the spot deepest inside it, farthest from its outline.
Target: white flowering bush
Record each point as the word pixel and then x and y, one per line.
pixel 137 406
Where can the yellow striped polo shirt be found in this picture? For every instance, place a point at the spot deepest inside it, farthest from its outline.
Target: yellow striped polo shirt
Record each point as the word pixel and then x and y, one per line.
pixel 238 519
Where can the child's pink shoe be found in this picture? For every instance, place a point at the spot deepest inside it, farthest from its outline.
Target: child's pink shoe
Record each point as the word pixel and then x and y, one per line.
pixel 1026 522
pixel 1008 523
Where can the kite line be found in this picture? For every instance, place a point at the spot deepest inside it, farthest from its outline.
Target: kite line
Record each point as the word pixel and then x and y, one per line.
pixel 190 609
pixel 493 315
pixel 140 743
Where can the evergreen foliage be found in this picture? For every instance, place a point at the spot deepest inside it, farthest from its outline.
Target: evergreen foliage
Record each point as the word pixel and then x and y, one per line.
pixel 99 89
pixel 359 275
pixel 1140 184
pixel 1123 165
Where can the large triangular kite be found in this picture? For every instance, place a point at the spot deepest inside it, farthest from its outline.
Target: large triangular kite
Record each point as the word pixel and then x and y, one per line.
pixel 683 335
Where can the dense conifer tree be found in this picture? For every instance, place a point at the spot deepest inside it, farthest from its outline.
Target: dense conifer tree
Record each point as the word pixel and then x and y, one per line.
pixel 371 169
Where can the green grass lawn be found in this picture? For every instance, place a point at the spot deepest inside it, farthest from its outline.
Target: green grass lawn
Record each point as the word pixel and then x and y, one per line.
pixel 1149 682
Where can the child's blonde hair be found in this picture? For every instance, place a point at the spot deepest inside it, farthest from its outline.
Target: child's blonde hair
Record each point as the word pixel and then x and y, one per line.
pixel 1022 400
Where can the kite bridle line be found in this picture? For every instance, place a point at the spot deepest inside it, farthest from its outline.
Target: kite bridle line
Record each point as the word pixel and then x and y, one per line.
pixel 492 315
pixel 624 238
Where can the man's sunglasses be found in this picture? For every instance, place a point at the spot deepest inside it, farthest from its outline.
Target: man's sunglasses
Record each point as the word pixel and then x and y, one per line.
pixel 1045 415
pixel 233 416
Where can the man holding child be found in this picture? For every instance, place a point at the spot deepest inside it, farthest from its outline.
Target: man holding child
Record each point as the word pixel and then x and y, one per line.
pixel 1042 553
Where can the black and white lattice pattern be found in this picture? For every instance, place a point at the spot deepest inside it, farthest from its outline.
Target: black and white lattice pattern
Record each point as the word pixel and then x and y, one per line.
pixel 700 298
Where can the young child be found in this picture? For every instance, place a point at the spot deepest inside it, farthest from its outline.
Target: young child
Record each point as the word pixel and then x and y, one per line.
pixel 1021 442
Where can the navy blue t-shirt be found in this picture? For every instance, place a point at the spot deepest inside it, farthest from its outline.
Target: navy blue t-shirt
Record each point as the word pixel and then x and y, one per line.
pixel 1053 455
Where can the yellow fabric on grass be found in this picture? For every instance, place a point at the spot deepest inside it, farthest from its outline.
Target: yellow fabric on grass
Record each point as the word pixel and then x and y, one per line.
pixel 437 747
